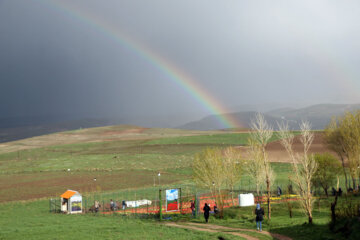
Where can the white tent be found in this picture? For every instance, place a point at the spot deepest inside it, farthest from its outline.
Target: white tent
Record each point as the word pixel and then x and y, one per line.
pixel 246 200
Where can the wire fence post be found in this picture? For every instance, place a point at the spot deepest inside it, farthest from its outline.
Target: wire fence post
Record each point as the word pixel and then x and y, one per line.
pixel 160 206
pixel 197 204
pixel 180 202
pixel 103 205
pixel 50 205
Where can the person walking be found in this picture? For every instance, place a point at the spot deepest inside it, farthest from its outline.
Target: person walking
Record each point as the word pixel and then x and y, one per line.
pixel 206 212
pixel 216 210
pixel 97 206
pixel 112 205
pixel 259 212
pixel 192 207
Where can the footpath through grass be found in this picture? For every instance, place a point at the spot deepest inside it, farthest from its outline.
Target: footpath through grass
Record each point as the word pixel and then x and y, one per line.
pixel 31 220
pixel 281 223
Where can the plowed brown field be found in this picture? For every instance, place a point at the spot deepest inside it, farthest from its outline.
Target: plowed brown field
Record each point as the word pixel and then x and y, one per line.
pixel 277 152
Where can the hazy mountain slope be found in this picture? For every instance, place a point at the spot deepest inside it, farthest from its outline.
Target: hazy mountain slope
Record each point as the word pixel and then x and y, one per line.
pixel 212 122
pixel 318 115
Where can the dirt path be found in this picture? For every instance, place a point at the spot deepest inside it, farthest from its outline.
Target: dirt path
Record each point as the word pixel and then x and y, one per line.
pixel 209 230
pixel 217 228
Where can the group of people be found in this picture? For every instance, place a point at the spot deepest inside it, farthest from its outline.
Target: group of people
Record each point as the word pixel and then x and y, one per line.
pixel 259 213
pixel 113 205
pixel 206 210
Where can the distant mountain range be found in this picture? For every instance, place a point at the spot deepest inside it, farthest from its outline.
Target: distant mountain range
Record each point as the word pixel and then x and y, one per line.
pixel 24 127
pixel 318 115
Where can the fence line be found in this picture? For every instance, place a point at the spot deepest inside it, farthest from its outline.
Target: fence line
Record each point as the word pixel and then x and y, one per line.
pixel 151 207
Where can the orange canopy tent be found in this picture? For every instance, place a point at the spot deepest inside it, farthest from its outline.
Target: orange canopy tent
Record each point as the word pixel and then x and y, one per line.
pixel 68 194
pixel 71 202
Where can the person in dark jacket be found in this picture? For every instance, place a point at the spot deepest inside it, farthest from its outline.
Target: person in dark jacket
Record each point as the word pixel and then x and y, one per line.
pixel 216 210
pixel 279 191
pixel 206 212
pixel 192 207
pixel 259 212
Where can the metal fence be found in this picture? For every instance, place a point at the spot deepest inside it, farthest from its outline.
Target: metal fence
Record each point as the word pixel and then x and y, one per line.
pixel 55 205
pixel 156 206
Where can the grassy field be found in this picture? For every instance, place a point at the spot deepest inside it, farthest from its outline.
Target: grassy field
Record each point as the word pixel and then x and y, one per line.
pixel 295 227
pixel 31 220
pixel 125 161
pixel 117 164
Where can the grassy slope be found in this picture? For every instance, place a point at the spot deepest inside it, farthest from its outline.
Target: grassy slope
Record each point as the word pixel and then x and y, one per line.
pixel 23 172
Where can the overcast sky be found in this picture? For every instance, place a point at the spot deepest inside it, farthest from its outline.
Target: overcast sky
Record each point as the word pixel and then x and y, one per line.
pixel 240 51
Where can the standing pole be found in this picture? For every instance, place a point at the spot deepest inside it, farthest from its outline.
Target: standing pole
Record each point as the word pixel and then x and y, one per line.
pixel 160 206
pixel 180 201
pixel 197 205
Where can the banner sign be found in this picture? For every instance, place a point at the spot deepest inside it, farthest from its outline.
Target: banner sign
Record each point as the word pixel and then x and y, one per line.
pixel 172 200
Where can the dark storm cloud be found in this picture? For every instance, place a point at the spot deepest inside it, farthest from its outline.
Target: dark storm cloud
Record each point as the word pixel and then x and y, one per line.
pixel 240 51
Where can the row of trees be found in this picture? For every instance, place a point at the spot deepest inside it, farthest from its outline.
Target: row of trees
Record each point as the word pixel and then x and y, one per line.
pixel 217 169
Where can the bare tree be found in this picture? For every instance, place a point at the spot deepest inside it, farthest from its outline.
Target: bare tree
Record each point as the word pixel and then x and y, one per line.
pixel 232 161
pixel 253 165
pixel 260 136
pixel 209 172
pixel 304 165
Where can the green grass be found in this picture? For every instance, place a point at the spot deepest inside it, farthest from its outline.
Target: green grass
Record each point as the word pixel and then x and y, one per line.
pixel 127 169
pixel 210 139
pixel 295 227
pixel 31 220
pixel 216 139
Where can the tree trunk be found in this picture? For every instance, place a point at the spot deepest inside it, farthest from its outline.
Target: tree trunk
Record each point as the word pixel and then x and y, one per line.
pixel 268 198
pixel 289 208
pixel 232 195
pixel 326 192
pixel 310 219
pixel 354 182
pixel 221 204
pixel 332 208
pixel 343 165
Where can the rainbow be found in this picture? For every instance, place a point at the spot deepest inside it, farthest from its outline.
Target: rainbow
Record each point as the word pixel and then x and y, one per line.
pixel 173 73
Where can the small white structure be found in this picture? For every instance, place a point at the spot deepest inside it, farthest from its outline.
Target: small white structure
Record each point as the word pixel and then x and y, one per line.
pixel 137 203
pixel 246 200
pixel 71 202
